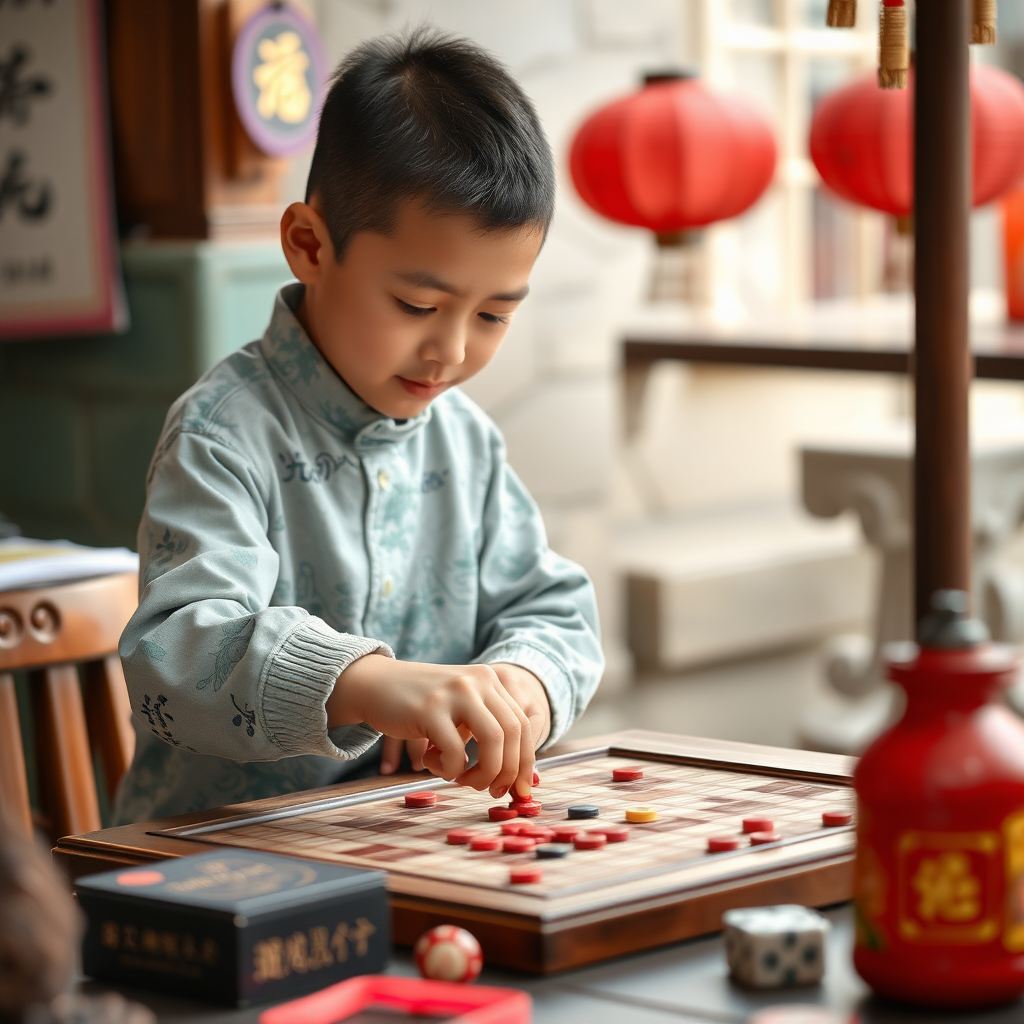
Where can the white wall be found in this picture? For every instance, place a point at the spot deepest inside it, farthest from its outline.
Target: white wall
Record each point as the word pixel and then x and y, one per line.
pixel 711 438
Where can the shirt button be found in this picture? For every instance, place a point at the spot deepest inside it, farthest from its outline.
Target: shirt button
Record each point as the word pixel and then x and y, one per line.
pixel 383 479
pixel 387 588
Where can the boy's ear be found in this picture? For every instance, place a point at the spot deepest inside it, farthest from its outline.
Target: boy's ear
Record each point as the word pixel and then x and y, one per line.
pixel 306 242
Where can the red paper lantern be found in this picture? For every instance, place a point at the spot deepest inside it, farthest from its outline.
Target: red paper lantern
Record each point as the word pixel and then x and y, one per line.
pixel 862 140
pixel 673 156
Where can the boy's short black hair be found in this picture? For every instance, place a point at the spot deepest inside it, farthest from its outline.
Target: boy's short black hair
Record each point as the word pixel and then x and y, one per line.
pixel 430 117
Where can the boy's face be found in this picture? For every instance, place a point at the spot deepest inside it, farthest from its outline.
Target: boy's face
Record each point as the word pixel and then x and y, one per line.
pixel 405 316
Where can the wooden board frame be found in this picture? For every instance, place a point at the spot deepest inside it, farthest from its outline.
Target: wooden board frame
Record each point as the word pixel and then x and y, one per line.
pixel 565 931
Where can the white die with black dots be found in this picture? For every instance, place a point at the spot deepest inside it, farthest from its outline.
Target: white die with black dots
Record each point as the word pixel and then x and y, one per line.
pixel 773 947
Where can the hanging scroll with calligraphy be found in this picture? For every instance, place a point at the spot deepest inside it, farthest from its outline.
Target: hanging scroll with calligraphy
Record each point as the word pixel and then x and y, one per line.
pixel 58 260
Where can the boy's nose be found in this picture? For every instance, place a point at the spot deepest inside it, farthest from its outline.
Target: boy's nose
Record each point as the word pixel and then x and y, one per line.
pixel 447 346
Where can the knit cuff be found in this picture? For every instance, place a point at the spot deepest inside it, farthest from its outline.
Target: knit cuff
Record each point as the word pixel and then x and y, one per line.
pixel 552 674
pixel 299 677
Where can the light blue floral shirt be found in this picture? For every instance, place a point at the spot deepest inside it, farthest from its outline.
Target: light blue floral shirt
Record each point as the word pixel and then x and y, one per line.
pixel 290 529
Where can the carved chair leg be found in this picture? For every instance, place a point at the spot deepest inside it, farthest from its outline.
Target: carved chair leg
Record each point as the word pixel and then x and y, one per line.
pixel 13 779
pixel 62 743
pixel 109 714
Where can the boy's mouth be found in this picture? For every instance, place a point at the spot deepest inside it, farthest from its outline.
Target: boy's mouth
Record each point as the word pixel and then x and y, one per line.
pixel 423 389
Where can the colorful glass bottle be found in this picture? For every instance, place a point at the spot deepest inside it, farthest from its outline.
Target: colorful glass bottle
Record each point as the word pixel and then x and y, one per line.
pixel 939 885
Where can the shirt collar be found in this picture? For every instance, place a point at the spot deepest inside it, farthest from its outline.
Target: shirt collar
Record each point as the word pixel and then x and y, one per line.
pixel 316 384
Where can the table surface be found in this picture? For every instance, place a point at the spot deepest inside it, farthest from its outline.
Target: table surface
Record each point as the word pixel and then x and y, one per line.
pixel 681 984
pixel 872 337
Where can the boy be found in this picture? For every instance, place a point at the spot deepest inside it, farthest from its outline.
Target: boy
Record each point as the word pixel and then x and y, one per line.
pixel 333 546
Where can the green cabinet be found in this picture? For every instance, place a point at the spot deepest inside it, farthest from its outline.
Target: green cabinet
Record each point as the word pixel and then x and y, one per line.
pixel 79 417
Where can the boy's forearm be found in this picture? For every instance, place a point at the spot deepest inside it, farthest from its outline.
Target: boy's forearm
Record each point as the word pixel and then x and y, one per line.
pixel 345 704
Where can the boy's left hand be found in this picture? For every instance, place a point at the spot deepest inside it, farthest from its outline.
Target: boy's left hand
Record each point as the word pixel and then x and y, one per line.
pixel 523 686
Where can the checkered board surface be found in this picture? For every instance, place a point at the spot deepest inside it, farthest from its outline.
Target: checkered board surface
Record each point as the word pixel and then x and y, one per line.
pixel 693 803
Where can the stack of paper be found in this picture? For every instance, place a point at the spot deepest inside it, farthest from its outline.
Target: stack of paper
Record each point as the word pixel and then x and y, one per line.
pixel 39 563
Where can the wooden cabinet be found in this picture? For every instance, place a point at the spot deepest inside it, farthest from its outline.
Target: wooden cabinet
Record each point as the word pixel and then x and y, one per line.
pixel 183 164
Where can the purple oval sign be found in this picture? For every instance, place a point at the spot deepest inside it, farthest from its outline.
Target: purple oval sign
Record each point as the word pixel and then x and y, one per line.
pixel 278 70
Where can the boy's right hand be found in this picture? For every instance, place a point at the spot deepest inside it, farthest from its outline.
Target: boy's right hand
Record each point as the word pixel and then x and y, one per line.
pixel 445 705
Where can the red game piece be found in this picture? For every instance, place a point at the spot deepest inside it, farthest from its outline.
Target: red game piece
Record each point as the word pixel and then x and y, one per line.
pixel 420 799
pixel 613 833
pixel 538 833
pixel 564 833
pixel 502 813
pixel 517 844
pixel 760 838
pixel 461 836
pixel 447 953
pixel 485 843
pixel 517 799
pixel 513 828
pixel 723 844
pixel 627 774
pixel 525 875
pixel 833 819
pixel 536 779
pixel 589 841
pixel 758 825
pixel 529 809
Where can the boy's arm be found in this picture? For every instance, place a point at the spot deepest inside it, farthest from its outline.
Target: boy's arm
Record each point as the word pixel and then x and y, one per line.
pixel 537 610
pixel 210 664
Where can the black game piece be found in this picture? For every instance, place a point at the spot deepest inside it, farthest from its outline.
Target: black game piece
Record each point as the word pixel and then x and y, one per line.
pixel 580 811
pixel 551 851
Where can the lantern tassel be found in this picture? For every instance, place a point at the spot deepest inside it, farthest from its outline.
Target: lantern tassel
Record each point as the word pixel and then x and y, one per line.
pixel 841 13
pixel 983 29
pixel 893 51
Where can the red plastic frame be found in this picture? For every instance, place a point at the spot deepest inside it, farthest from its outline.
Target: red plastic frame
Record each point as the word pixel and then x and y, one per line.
pixel 474 1004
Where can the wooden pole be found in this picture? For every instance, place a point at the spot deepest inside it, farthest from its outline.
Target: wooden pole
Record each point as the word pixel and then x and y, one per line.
pixel 942 358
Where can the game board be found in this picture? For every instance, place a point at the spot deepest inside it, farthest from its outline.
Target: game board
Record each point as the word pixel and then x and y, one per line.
pixel 657 887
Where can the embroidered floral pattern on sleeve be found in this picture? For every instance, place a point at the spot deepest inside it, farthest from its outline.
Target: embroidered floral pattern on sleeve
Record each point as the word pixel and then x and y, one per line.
pixel 244 715
pixel 234 642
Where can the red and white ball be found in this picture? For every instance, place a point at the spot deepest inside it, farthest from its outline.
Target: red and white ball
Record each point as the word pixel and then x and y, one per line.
pixel 447 953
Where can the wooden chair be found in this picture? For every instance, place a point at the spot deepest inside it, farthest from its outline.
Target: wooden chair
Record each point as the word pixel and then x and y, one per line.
pixel 49 632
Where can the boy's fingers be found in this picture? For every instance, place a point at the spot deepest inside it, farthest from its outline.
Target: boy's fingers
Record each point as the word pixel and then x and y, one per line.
pixel 497 731
pixel 432 760
pixel 450 757
pixel 524 779
pixel 391 755
pixel 416 749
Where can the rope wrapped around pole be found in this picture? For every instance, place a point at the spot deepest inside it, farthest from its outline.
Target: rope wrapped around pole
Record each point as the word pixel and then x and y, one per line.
pixel 893 47
pixel 841 13
pixel 983 26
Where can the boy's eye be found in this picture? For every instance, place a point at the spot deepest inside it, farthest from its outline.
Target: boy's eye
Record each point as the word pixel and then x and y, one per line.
pixel 408 307
pixel 493 318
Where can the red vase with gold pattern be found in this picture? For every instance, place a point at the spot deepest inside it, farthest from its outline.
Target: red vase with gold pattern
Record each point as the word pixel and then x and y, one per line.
pixel 939 883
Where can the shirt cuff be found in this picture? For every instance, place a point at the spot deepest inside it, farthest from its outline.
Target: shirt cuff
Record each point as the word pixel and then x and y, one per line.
pixel 299 677
pixel 553 676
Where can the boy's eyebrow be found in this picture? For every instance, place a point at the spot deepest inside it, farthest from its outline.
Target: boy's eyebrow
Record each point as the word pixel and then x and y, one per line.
pixel 425 279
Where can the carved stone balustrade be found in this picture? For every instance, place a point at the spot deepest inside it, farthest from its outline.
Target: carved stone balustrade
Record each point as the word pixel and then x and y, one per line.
pixel 874 478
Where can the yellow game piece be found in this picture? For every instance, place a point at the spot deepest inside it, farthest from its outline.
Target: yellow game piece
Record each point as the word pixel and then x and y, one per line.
pixel 641 814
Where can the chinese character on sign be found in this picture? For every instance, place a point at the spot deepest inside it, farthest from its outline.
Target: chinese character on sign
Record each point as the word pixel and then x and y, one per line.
pixel 281 79
pixel 31 199
pixel 16 88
